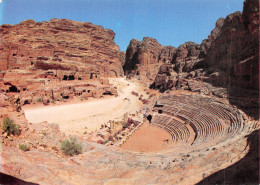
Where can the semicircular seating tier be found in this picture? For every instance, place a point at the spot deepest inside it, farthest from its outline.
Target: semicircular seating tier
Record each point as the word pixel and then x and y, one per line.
pixel 191 119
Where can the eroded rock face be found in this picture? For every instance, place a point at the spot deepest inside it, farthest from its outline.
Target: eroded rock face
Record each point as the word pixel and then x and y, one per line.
pixel 39 57
pixel 188 62
pixel 60 44
pixel 189 56
pixel 235 50
pixel 251 16
pixel 166 77
pixel 145 57
pixel 122 57
pixel 228 57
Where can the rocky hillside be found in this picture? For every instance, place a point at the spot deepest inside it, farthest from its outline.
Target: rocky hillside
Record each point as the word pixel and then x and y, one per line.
pixel 82 49
pixel 234 50
pixel 56 60
pixel 143 58
pixel 188 62
pixel 228 57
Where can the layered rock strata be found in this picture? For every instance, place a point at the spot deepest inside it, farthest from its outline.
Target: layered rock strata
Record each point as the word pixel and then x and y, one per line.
pixel 143 58
pixel 228 57
pixel 43 56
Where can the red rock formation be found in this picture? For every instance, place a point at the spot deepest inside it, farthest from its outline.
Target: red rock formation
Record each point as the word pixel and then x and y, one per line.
pixel 35 56
pixel 187 62
pixel 188 57
pixel 122 57
pixel 145 57
pixel 166 77
pixel 234 52
pixel 60 43
pixel 229 57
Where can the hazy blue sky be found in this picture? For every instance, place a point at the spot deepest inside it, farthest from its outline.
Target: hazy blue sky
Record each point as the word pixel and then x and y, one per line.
pixel 171 22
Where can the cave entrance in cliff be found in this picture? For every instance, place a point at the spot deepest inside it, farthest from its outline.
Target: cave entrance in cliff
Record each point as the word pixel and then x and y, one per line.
pixel 26 102
pixel 71 77
pixel 107 93
pixel 13 89
pixel 65 77
pixel 149 118
pixel 93 75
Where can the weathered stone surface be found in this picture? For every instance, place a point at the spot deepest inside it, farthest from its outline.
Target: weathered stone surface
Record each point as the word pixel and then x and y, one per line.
pixel 235 50
pixel 45 163
pixel 144 57
pixel 62 40
pixel 228 57
pixel 122 57
pixel 166 77
pixel 189 56
pixel 35 57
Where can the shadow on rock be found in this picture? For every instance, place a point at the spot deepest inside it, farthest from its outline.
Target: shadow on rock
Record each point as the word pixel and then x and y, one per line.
pixel 245 171
pixel 10 180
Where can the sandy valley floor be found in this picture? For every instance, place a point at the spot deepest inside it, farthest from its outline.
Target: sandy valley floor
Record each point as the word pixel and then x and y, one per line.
pixel 75 118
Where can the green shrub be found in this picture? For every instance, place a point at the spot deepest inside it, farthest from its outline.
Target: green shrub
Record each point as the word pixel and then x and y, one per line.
pixel 23 147
pixel 10 127
pixel 71 147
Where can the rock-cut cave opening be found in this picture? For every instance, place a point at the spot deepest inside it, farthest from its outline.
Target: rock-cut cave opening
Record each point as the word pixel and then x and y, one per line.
pixel 107 93
pixel 70 77
pixel 149 118
pixel 13 89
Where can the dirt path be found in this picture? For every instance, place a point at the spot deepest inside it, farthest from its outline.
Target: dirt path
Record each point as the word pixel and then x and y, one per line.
pixel 73 118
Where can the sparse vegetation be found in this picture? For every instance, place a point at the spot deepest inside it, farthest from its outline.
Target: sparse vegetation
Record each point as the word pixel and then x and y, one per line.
pixel 71 147
pixel 10 127
pixel 23 147
pixel 39 100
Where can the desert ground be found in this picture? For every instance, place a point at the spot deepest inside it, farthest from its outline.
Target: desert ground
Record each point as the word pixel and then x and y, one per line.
pixel 76 118
pixel 148 139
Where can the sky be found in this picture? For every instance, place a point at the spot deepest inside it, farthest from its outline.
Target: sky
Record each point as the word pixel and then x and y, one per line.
pixel 171 22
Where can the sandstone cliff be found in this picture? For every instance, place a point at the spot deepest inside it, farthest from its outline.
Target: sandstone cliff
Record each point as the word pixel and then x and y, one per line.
pixel 144 58
pixel 60 44
pixel 122 57
pixel 56 57
pixel 234 52
pixel 228 57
